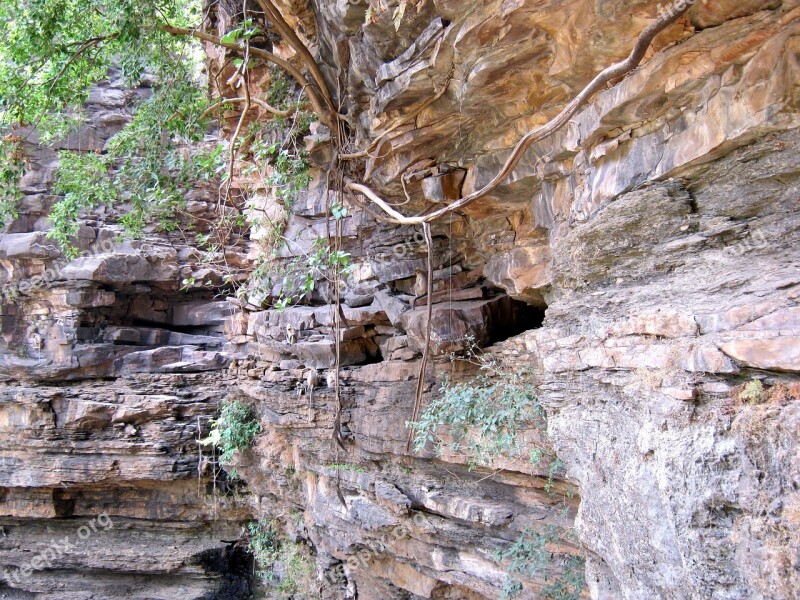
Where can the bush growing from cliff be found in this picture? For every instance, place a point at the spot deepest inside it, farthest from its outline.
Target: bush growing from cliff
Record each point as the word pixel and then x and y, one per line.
pixel 481 417
pixel 530 555
pixel 234 431
pixel 12 167
pixel 55 52
pixel 283 567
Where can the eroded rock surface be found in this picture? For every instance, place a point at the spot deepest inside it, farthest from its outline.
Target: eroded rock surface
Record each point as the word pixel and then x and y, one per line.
pixel 656 236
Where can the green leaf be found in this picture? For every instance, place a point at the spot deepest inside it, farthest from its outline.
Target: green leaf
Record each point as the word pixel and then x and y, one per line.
pixel 231 36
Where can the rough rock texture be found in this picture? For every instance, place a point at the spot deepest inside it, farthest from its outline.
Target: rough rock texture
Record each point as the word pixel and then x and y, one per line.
pixel 105 389
pixel 658 232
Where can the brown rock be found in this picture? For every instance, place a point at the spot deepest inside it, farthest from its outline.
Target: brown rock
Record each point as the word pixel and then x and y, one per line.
pixel 780 353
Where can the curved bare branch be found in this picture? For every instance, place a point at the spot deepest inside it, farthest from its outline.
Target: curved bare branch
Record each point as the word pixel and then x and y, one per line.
pixel 258 101
pixel 616 70
pixel 291 37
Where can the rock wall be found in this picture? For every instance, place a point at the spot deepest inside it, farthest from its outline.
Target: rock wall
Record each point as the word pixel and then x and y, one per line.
pixel 642 262
pixel 109 372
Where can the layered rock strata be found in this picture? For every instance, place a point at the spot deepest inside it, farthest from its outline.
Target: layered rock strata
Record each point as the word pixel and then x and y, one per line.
pixel 642 262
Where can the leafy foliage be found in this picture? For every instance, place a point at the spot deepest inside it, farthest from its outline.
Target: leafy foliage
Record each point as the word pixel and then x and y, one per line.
pixel 483 416
pixel 298 277
pixel 12 167
pixel 280 89
pixel 41 40
pixel 234 431
pixel 290 174
pixel 264 545
pixel 570 584
pixel 279 145
pixel 83 180
pixel 529 556
pixel 154 171
pixel 55 51
pixel 283 566
pixel 244 31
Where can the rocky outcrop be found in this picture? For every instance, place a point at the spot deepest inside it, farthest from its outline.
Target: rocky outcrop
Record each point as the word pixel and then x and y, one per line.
pixel 110 374
pixel 644 383
pixel 642 263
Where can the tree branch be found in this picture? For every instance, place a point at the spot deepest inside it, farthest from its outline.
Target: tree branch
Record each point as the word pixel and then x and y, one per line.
pixel 323 112
pixel 83 47
pixel 291 37
pixel 259 102
pixel 616 70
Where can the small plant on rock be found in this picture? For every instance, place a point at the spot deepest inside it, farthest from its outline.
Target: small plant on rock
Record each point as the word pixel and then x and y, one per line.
pixel 481 417
pixel 283 567
pixel 264 546
pixel 753 392
pixel 529 556
pixel 234 431
pixel 346 467
pixel 291 281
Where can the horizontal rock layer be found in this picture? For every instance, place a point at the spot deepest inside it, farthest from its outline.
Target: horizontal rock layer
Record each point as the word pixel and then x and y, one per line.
pixel 642 262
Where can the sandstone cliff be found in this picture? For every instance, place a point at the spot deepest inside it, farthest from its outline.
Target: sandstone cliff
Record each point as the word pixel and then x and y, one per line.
pixel 642 263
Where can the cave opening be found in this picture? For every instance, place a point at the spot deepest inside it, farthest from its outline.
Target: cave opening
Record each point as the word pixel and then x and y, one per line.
pixel 234 565
pixel 518 318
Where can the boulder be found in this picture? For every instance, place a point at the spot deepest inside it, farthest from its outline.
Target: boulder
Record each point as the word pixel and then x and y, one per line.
pixel 452 323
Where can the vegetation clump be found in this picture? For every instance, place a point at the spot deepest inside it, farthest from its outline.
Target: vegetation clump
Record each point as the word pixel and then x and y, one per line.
pixel 346 467
pixel 12 168
pixel 752 392
pixel 531 555
pixel 482 417
pixel 233 432
pixel 283 567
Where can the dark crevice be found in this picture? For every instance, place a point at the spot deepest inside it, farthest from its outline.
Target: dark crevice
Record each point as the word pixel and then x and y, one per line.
pixel 235 566
pixel 521 317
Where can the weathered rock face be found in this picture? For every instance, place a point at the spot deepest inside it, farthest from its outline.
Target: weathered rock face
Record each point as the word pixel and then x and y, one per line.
pixel 641 382
pixel 656 236
pixel 109 373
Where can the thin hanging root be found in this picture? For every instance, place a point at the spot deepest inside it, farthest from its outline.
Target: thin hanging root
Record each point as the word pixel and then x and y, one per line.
pixel 232 149
pixel 337 320
pixel 423 365
pixel 613 72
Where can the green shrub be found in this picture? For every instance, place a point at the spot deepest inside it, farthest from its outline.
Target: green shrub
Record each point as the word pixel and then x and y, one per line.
pixel 529 556
pixel 12 168
pixel 264 546
pixel 234 431
pixel 298 277
pixel 483 416
pixel 283 567
pixel 84 181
